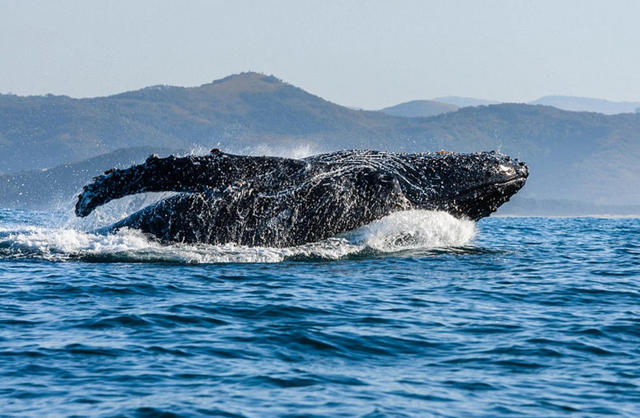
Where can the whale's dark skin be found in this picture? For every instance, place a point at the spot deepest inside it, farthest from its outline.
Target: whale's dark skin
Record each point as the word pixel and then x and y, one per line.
pixel 278 202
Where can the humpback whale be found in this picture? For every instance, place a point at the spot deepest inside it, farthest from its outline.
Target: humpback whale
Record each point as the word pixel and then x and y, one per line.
pixel 272 201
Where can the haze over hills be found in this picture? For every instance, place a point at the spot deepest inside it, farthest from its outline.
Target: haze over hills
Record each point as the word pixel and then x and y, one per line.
pixel 574 156
pixel 570 103
pixel 433 107
pixel 464 101
pixel 419 109
pixel 587 104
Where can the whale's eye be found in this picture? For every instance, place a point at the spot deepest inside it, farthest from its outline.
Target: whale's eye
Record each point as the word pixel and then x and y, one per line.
pixel 506 170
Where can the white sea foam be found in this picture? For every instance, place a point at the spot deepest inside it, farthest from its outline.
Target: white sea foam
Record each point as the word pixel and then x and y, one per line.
pixel 297 150
pixel 415 229
pixel 401 231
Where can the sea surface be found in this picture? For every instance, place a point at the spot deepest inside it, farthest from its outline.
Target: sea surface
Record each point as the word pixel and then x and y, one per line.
pixel 418 314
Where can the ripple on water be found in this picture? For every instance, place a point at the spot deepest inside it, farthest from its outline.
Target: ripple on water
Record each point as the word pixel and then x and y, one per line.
pixel 527 316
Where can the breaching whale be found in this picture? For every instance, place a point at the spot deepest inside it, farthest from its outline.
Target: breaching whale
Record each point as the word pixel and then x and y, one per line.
pixel 278 202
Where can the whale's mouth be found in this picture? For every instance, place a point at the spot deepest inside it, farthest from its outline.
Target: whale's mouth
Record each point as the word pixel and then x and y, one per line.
pixel 517 181
pixel 480 201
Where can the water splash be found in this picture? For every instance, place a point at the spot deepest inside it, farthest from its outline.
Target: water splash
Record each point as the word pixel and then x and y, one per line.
pixel 297 151
pixel 415 229
pixel 411 230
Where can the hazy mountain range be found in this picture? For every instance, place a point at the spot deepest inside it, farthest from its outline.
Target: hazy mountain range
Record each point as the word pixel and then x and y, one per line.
pixel 586 104
pixel 427 108
pixel 574 156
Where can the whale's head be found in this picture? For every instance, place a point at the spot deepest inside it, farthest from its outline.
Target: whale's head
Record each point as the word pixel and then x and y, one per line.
pixel 466 185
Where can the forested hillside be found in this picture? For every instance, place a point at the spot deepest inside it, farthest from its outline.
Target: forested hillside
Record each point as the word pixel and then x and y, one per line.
pixel 573 155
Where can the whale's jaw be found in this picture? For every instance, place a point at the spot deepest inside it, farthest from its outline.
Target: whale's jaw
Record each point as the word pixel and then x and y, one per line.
pixel 484 201
pixel 471 186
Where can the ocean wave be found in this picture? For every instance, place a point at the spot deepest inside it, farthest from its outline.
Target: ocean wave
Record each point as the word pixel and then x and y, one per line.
pixel 399 232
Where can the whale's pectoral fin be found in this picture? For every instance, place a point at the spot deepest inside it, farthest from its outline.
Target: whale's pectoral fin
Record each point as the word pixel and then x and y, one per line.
pixel 178 174
pixel 154 175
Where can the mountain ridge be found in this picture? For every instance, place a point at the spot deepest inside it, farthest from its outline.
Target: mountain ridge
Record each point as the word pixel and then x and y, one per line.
pixel 571 154
pixel 568 103
pixel 461 101
pixel 588 104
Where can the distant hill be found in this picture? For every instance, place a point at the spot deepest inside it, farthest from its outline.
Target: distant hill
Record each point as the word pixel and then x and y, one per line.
pixel 464 101
pixel 586 104
pixel 573 155
pixel 240 110
pixel 570 103
pixel 419 109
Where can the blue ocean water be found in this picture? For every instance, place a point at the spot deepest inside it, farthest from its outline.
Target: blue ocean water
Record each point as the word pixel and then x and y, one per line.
pixel 417 315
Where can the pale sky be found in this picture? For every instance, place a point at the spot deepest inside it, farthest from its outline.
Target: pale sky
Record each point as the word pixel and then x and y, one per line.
pixel 368 54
